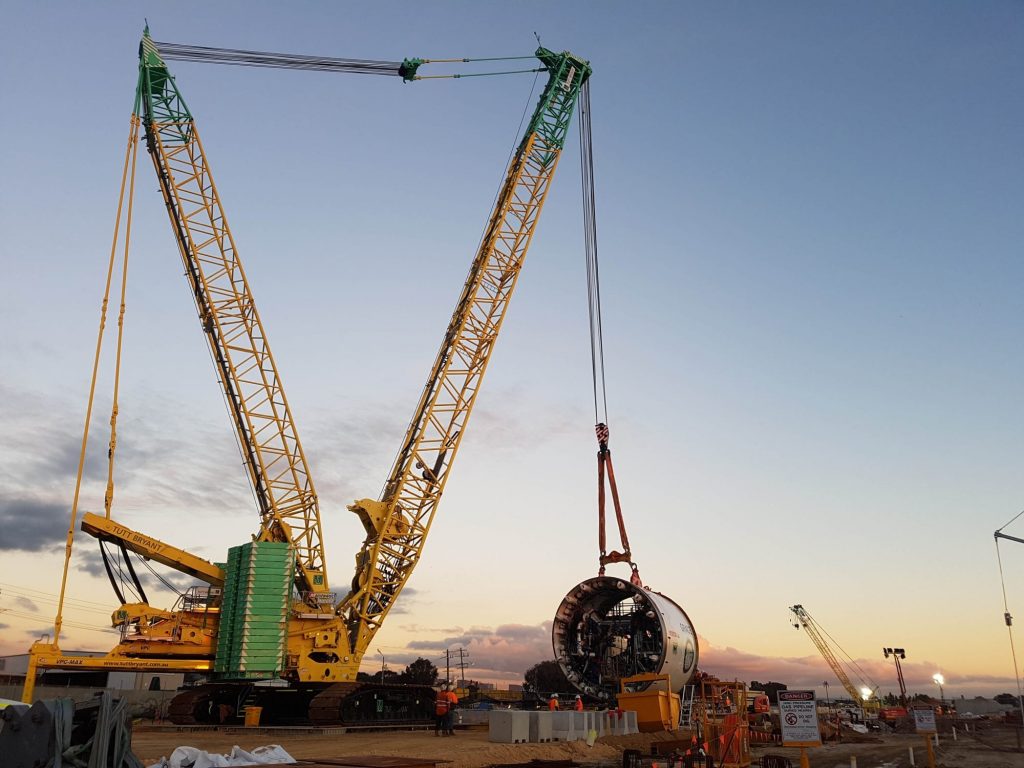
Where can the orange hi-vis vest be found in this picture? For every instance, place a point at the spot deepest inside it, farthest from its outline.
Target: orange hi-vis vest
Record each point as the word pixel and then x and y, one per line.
pixel 444 702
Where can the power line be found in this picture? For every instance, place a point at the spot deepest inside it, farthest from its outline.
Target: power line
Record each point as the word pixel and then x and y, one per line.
pixel 49 595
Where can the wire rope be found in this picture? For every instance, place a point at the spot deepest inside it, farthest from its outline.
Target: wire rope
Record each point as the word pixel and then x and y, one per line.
pixel 593 270
pixel 204 54
pixel 864 677
pixel 238 57
pixel 1009 620
pixel 158 576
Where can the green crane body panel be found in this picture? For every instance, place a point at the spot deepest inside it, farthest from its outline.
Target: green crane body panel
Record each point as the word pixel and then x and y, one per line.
pixel 253 631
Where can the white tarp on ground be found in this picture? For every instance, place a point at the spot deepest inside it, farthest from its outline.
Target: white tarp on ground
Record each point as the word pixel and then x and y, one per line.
pixel 191 757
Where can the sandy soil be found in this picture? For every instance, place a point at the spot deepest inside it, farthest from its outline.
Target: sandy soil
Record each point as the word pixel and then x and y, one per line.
pixel 995 748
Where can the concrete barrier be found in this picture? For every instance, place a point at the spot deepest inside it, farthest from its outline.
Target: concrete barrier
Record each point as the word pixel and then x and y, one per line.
pixel 509 726
pixel 563 726
pixel 541 727
pixel 629 724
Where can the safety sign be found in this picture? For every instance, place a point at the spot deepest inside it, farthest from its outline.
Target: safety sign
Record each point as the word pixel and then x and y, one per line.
pixel 798 715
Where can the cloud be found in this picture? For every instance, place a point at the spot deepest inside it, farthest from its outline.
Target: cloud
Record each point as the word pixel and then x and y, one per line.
pixel 31 524
pixel 503 653
pixel 27 604
pixel 730 663
pixel 4 626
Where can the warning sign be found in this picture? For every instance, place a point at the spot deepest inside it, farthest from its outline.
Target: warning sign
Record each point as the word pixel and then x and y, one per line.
pixel 924 719
pixel 798 715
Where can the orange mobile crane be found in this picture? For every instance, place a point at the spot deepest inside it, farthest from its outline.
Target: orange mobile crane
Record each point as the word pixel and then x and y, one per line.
pixel 321 640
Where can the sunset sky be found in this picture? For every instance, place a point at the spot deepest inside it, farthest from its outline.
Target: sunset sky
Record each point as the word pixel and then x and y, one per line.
pixel 810 227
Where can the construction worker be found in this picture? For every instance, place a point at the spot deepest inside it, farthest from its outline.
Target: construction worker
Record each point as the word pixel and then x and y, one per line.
pixel 553 702
pixel 441 706
pixel 449 719
pixel 578 705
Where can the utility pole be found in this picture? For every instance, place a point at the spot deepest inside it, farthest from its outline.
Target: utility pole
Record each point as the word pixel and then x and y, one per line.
pixel 447 665
pixel 463 656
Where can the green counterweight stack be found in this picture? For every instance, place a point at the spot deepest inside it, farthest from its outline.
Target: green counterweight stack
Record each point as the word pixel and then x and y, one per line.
pixel 254 612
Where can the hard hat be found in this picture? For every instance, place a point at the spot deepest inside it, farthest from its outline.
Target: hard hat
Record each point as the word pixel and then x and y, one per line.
pixel 577 695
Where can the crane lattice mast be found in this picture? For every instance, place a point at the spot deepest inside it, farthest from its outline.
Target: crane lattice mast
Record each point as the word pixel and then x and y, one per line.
pixel 817 637
pixel 398 523
pixel 259 410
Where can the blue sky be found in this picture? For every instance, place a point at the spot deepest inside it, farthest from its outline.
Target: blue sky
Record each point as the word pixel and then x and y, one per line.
pixel 809 221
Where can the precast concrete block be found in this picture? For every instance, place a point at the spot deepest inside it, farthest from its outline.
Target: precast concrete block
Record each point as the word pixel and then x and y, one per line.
pixel 617 723
pixel 563 727
pixel 541 727
pixel 581 723
pixel 629 723
pixel 507 726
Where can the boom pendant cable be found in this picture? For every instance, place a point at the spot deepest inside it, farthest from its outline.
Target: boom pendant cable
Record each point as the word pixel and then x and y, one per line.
pixel 406 69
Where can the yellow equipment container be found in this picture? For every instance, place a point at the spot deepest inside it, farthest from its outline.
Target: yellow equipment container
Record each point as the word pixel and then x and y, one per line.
pixel 252 716
pixel 656 709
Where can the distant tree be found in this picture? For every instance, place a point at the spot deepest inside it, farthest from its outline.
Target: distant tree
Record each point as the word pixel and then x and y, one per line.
pixel 420 672
pixel 364 677
pixel 1005 698
pixel 387 676
pixel 546 677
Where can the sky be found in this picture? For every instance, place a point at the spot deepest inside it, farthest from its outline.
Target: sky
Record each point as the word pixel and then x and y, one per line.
pixel 809 227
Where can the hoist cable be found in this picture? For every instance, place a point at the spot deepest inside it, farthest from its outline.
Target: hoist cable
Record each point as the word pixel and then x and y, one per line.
pixel 1009 620
pixel 593 271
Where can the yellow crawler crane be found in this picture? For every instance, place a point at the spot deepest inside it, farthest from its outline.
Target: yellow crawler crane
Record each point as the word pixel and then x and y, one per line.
pixel 325 640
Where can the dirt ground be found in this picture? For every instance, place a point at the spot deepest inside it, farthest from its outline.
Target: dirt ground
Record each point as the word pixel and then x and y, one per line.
pixel 995 748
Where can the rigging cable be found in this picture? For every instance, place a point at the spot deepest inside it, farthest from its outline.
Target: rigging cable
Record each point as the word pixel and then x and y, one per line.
pixel 604 455
pixel 1006 614
pixel 864 677
pixel 167 583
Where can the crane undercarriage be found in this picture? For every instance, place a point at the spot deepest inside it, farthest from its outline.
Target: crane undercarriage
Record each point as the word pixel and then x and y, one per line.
pixel 320 704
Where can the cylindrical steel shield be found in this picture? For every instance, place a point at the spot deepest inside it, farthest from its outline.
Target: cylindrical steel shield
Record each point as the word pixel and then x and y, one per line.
pixel 607 628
